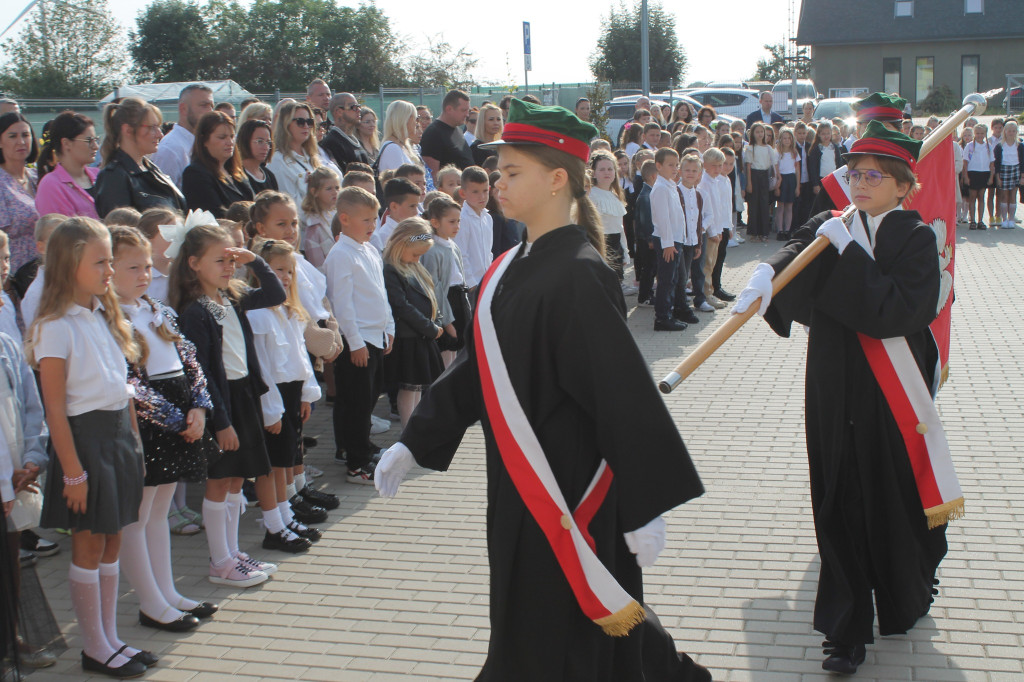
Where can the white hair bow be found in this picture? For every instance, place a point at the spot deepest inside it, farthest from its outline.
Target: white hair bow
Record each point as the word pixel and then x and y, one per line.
pixel 175 234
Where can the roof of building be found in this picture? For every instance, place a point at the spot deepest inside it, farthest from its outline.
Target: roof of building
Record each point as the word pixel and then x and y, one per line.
pixel 839 22
pixel 161 93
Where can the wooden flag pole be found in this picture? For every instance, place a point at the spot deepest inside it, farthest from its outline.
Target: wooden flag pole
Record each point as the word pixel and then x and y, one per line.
pixel 974 104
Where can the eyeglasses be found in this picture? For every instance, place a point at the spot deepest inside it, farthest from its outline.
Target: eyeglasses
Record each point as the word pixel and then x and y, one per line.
pixel 471 121
pixel 260 142
pixel 156 127
pixel 350 107
pixel 872 177
pixel 303 122
pixel 91 141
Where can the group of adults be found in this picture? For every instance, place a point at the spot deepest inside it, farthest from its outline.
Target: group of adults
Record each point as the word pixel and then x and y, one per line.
pixel 209 159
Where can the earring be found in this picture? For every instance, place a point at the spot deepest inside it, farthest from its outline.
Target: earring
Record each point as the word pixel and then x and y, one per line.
pixel 554 193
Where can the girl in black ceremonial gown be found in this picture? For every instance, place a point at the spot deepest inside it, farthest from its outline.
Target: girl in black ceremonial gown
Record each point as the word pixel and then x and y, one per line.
pixel 551 320
pixel 879 279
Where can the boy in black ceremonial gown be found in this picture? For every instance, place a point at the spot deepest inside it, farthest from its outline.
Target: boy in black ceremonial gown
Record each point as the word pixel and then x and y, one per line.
pixel 880 529
pixel 582 455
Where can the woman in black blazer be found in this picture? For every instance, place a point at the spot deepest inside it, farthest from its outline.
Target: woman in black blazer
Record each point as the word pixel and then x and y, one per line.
pixel 215 179
pixel 131 130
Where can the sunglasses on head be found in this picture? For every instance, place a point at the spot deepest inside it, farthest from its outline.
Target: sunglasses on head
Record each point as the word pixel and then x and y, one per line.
pixel 304 122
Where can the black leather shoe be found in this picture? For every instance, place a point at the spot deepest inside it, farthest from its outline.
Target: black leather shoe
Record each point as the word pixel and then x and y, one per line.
pixel 310 441
pixel 127 671
pixel 320 498
pixel 671 325
pixel 184 623
pixel 842 658
pixel 723 295
pixel 340 457
pixel 204 610
pixel 311 534
pixel 689 317
pixel 282 543
pixel 306 513
pixel 146 658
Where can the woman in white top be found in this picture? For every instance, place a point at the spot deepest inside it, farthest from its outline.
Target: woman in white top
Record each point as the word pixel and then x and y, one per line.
pixel 367 132
pixel 757 161
pixel 296 154
pixel 611 205
pixel 399 127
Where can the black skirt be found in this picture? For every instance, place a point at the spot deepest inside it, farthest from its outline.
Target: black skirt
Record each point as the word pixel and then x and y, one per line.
pixel 110 451
pixel 978 179
pixel 787 188
pixel 250 459
pixel 285 448
pixel 415 362
pixel 169 458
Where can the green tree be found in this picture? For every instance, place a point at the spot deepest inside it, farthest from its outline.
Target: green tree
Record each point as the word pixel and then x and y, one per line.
pixel 776 67
pixel 171 42
pixel 617 57
pixel 65 51
pixel 441 65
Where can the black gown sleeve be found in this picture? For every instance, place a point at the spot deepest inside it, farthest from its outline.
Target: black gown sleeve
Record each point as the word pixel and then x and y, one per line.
pixel 601 368
pixel 450 406
pixel 884 304
pixel 794 302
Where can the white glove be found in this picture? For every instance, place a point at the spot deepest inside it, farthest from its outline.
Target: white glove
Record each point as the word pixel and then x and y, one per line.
pixel 759 286
pixel 647 542
pixel 394 464
pixel 835 230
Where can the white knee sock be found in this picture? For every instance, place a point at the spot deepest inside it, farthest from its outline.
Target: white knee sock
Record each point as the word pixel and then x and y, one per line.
pixel 158 542
pixel 289 490
pixel 272 520
pixel 286 512
pixel 85 600
pixel 235 506
pixel 110 575
pixel 215 519
pixel 137 564
pixel 300 482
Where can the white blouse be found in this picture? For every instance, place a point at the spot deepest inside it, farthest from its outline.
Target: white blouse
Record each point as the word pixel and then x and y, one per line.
pixel 610 207
pixel 95 370
pixel 787 164
pixel 292 172
pixel 163 356
pixel 312 286
pixel 759 156
pixel 236 364
pixel 281 352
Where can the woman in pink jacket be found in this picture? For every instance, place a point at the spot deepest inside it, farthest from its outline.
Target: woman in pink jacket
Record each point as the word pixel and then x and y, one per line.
pixel 66 180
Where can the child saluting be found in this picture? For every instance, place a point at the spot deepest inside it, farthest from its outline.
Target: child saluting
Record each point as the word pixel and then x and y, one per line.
pixel 882 484
pixel 575 501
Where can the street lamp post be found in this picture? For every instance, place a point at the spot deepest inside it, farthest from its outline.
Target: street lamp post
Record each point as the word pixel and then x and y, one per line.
pixel 645 51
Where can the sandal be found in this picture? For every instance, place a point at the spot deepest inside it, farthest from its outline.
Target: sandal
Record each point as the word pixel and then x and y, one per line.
pixel 193 516
pixel 181 524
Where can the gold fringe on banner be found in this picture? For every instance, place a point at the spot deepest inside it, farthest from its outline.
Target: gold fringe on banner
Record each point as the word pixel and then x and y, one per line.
pixel 622 621
pixel 944 513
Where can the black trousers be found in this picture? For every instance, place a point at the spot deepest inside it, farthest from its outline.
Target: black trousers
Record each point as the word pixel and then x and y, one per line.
pixel 646 267
pixel 716 272
pixel 356 393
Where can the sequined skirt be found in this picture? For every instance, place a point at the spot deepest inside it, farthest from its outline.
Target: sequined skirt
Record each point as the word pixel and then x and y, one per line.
pixel 169 458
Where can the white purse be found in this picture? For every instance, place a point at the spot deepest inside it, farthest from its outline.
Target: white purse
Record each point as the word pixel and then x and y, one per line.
pixel 28 505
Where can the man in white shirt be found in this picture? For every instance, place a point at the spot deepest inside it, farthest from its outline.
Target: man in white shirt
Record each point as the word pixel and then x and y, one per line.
pixel 476 228
pixel 175 150
pixel 355 288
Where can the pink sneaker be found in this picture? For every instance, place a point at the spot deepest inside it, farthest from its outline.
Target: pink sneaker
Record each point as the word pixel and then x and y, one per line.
pixel 236 573
pixel 256 564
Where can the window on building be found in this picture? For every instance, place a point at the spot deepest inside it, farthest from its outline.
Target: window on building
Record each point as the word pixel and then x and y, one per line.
pixel 974 6
pixel 925 76
pixel 891 67
pixel 970 65
pixel 904 8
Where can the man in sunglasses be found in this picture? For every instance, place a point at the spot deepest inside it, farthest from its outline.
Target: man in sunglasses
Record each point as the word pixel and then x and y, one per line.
pixel 341 143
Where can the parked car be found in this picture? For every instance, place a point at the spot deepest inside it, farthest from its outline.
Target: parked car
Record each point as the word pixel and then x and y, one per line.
pixel 620 110
pixel 741 85
pixel 732 101
pixel 783 94
pixel 841 107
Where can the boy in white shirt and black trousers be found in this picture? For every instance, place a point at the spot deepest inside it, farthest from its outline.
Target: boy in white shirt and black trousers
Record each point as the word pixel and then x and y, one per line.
pixel 674 242
pixel 355 288
pixel 716 190
pixel 476 228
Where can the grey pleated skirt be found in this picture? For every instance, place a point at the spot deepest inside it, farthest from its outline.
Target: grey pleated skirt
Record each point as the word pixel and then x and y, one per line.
pixel 111 452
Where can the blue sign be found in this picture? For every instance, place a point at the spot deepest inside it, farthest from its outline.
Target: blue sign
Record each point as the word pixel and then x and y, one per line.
pixel 526 38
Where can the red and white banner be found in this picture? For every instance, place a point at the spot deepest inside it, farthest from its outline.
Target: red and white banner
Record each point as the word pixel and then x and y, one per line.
pixel 598 593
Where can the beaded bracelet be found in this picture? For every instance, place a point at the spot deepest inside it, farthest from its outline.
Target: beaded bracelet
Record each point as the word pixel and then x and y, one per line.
pixel 77 480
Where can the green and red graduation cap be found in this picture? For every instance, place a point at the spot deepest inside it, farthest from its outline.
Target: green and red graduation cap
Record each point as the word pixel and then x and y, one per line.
pixel 880 141
pixel 879 106
pixel 555 127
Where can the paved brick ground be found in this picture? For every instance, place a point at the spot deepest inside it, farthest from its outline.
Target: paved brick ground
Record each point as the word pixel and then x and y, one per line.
pixel 398 589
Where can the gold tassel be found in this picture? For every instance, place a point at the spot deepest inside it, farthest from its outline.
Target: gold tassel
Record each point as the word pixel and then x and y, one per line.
pixel 944 376
pixel 944 513
pixel 622 621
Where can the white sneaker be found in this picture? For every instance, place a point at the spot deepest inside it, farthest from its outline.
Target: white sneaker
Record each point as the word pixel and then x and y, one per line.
pixel 715 303
pixel 264 566
pixel 629 290
pixel 236 573
pixel 706 307
pixel 741 240
pixel 379 425
pixel 733 242
pixel 313 472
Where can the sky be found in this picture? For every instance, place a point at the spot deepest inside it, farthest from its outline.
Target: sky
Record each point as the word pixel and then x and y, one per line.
pixel 563 33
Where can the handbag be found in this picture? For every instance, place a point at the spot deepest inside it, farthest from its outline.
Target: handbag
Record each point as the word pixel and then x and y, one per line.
pixel 28 505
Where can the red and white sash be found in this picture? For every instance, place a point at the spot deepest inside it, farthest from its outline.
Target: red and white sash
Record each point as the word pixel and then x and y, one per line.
pixel 837 186
pixel 913 407
pixel 599 595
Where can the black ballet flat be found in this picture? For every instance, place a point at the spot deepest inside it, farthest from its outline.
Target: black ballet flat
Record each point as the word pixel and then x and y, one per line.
pixel 127 671
pixel 184 623
pixel 204 610
pixel 146 658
